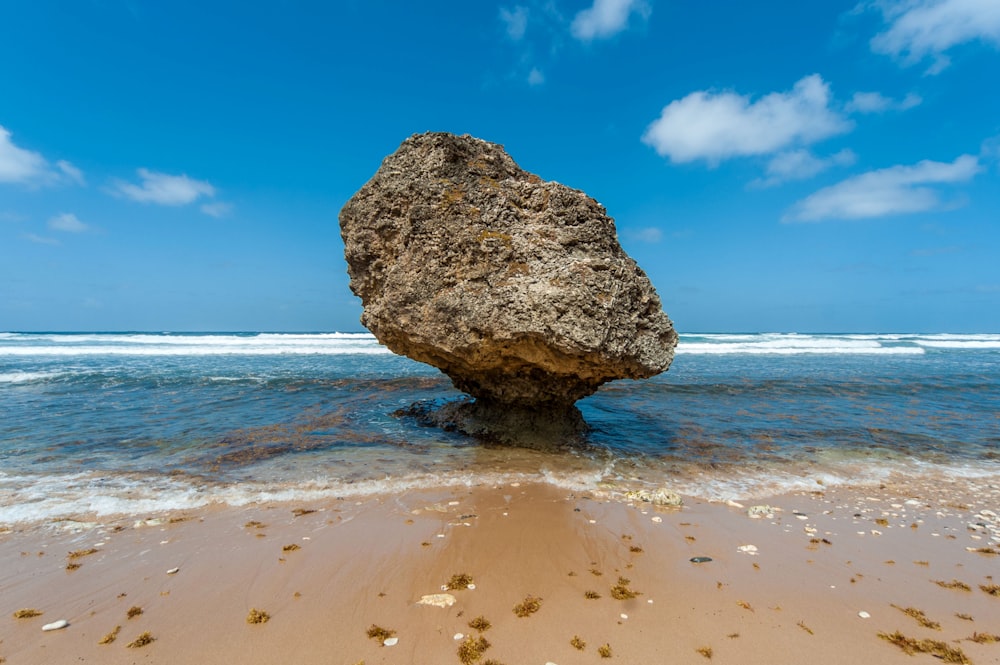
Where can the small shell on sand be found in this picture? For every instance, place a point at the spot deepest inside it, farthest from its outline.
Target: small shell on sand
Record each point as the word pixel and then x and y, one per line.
pixel 173 571
pixel 391 641
pixel 55 625
pixel 748 549
pixel 459 636
pixel 864 615
pixel 657 519
pixel 437 600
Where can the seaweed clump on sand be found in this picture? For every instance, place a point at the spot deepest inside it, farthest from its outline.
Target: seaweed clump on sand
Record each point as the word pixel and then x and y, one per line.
pixel 459 581
pixel 133 611
pixel 528 606
pixel 984 638
pixel 258 616
pixel 141 641
pixel 935 648
pixel 919 616
pixel 27 613
pixel 110 637
pixel 622 591
pixel 705 651
pixel 991 589
pixel 480 623
pixel 954 584
pixel 578 643
pixel 376 632
pixel 604 650
pixel 472 649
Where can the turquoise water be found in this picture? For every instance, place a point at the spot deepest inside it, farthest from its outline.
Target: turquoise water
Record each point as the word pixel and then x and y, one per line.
pixel 109 423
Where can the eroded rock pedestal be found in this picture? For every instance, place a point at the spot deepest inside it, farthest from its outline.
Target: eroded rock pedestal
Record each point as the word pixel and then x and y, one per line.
pixel 514 287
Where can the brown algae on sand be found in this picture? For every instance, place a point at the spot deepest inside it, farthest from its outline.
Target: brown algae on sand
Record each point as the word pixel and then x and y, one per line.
pixel 480 623
pixel 591 595
pixel 919 616
pixel 621 591
pixel 110 637
pixel 376 632
pixel 141 641
pixel 78 554
pixel 472 649
pixel 705 651
pixel 578 643
pixel 954 584
pixel 258 616
pixel 528 606
pixel 290 548
pixel 937 649
pixel 27 613
pixel 984 638
pixel 133 611
pixel 459 581
pixel 991 589
pixel 604 650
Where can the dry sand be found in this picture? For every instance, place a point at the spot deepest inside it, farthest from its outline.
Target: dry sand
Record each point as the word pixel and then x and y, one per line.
pixel 359 564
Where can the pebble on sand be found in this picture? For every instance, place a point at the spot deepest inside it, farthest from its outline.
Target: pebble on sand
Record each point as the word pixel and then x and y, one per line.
pixel 55 625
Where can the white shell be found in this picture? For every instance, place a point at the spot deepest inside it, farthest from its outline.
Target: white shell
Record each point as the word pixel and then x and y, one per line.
pixel 55 625
pixel 172 571
pixel 437 600
pixel 864 615
pixel 391 641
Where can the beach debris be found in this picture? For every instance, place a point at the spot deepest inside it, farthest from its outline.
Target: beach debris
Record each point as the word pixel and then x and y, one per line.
pixel 27 613
pixel 481 624
pixel 258 616
pixel 622 591
pixel 748 549
pixel 437 600
pixel 110 637
pixel 450 231
pixel 657 497
pixel 734 504
pixel 72 565
pixel 390 641
pixel 762 510
pixel 141 641
pixel 803 626
pixel 705 651
pixel 745 605
pixel 472 649
pixel 983 638
pixel 964 617
pixel 591 595
pixel 991 589
pixel 77 554
pixel 656 518
pixel 918 616
pixel 954 584
pixel 700 559
pixel 299 512
pixel 604 650
pixel 173 571
pixel 910 646
pixel 376 632
pixel 459 581
pixel 578 643
pixel 528 606
pixel 291 548
pixel 55 625
pixel 133 612
pixel 635 549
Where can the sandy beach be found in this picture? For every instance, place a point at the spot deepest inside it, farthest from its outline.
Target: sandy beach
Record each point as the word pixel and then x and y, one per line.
pixel 817 579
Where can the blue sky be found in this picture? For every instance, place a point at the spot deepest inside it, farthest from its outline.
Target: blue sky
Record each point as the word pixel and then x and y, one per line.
pixel 778 166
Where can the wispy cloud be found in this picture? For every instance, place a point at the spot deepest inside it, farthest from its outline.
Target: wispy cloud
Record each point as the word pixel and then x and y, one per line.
pixel 920 29
pixel 891 191
pixel 217 208
pixel 19 165
pixel 536 77
pixel 606 18
pixel 713 127
pixel 875 102
pixel 516 21
pixel 801 165
pixel 649 235
pixel 68 222
pixel 164 189
pixel 41 240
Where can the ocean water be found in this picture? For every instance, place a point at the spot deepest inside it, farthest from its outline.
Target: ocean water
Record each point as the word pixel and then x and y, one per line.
pixel 101 424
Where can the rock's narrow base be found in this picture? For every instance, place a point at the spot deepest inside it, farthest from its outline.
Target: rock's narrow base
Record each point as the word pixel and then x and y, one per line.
pixel 545 427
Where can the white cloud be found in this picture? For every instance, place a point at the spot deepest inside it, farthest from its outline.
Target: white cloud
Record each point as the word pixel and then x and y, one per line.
pixel 717 126
pixel 536 77
pixel 649 235
pixel 875 102
pixel 891 191
pixel 164 189
pixel 71 172
pixel 606 18
pixel 40 239
pixel 516 21
pixel 217 208
pixel 928 28
pixel 801 165
pixel 18 165
pixel 67 221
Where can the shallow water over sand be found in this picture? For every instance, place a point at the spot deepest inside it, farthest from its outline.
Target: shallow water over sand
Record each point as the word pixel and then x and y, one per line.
pixel 134 423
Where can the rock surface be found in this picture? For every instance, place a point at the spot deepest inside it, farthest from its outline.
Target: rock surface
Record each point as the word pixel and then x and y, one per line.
pixel 514 287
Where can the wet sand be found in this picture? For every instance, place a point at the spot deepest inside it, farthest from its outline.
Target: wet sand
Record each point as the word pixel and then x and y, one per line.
pixel 819 560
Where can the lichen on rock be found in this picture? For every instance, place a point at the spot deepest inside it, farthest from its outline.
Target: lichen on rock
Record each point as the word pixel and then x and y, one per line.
pixel 515 287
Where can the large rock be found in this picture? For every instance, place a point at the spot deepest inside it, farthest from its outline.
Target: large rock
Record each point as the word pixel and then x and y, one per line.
pixel 514 287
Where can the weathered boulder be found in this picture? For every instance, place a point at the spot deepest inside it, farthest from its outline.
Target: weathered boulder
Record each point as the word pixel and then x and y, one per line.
pixel 514 287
